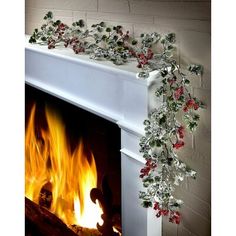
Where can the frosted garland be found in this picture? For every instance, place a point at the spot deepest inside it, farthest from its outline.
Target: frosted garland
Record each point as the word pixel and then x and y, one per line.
pixel 163 133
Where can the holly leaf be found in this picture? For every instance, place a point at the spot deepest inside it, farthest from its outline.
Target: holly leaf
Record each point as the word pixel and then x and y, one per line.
pixel 147 204
pixel 195 69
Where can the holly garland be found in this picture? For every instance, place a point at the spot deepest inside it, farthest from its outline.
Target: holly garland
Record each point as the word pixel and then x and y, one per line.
pixel 164 134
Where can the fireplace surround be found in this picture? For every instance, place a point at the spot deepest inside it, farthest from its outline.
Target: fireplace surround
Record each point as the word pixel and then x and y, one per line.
pixel 113 93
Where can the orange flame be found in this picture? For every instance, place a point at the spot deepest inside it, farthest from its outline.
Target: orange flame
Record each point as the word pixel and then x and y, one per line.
pixel 72 176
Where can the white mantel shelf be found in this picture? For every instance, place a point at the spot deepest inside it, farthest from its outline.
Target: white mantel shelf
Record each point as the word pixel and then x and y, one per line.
pixel 79 79
pixel 109 91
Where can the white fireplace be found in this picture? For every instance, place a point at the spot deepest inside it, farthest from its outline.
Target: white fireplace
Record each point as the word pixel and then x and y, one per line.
pixel 113 93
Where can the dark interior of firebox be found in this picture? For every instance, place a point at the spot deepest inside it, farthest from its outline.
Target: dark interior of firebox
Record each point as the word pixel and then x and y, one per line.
pixel 100 136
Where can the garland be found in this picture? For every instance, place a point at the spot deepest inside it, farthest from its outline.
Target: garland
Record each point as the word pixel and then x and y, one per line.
pixel 163 133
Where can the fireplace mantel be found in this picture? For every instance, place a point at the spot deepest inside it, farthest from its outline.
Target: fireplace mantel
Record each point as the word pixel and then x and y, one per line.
pixel 109 91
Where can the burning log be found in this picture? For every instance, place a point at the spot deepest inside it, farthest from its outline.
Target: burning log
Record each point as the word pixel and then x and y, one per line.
pixel 45 196
pixel 40 222
pixel 82 231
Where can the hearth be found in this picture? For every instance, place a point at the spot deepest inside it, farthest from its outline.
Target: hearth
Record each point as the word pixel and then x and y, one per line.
pixel 115 97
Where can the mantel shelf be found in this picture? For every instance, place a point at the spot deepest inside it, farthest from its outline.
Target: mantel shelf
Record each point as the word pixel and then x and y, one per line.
pixel 110 91
pixel 129 68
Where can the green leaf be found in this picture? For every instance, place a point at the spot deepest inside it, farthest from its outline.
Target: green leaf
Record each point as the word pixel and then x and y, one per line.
pixel 102 24
pixel 202 104
pixel 196 117
pixel 147 204
pixel 81 23
pixel 170 37
pixel 32 40
pixel 143 75
pixel 170 47
pixel 164 81
pixel 99 29
pixel 187 81
pixel 158 143
pixel 162 120
pixel 173 106
pixel 163 41
pixel 120 43
pixel 192 125
pixel 195 69
pixel 181 99
pixel 157 178
pixel 58 22
pixel 49 15
pixel 152 143
pixel 164 72
pixel 108 29
pixel 43 38
pixel 104 37
pixel 146 122
pixel 134 42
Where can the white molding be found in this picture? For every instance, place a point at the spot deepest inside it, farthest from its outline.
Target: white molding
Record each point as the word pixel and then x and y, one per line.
pixel 106 114
pixel 127 126
pixel 132 155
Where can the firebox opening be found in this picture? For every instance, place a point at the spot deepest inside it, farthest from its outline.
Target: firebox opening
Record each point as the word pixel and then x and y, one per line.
pixel 90 140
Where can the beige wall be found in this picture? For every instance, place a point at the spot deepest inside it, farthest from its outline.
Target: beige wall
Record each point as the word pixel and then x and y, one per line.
pixel 191 21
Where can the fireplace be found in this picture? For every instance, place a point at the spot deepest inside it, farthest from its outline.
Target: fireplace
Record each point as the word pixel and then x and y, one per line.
pixel 112 95
pixel 71 151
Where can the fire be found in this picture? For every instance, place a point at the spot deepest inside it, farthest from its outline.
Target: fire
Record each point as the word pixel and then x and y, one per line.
pixel 72 175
